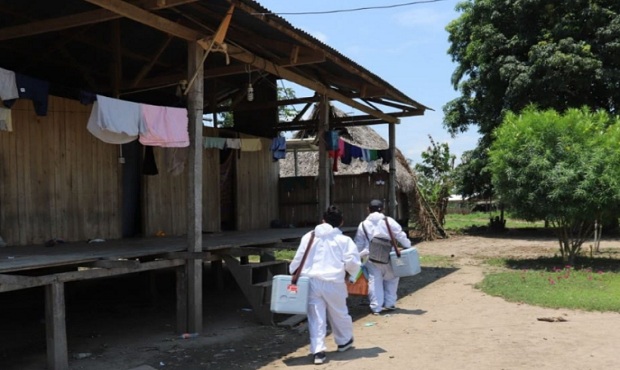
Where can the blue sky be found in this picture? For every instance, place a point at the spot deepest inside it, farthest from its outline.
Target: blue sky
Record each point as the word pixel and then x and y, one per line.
pixel 405 46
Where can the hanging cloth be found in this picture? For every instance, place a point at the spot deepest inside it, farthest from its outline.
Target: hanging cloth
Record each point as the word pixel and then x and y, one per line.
pixel 345 156
pixel 278 147
pixel 33 89
pixel 233 143
pixel 214 143
pixel 115 121
pixel 149 166
pixel 251 145
pixel 8 86
pixel 386 155
pixel 164 126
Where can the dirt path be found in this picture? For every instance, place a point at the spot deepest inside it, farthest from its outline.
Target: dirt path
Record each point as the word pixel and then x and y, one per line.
pixel 443 322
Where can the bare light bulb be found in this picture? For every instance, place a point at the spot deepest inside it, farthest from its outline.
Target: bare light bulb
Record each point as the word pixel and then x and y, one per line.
pixel 250 92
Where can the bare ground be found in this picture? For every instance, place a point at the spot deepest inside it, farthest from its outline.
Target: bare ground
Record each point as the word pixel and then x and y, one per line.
pixel 443 322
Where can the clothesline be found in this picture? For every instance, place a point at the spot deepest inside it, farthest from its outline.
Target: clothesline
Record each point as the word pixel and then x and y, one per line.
pixel 113 121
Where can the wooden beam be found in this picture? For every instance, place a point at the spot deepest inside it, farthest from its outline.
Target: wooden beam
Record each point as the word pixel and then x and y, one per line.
pixel 167 26
pixel 142 16
pixel 109 264
pixel 308 42
pixel 254 60
pixel 16 282
pixel 74 20
pixel 153 59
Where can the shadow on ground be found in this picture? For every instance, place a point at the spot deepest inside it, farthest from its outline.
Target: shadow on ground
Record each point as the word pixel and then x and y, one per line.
pixel 119 323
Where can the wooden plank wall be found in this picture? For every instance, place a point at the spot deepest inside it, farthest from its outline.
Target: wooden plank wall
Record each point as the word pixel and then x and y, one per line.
pixel 257 187
pixel 56 179
pixel 165 194
pixel 299 199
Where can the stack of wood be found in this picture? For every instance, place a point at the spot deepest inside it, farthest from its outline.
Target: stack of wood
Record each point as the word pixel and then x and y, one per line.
pixel 426 223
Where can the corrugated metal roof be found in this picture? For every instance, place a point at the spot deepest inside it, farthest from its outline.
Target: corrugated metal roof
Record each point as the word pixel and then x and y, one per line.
pixel 77 45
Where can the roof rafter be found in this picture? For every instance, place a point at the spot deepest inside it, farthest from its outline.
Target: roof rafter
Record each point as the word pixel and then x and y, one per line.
pixel 76 20
pixel 165 25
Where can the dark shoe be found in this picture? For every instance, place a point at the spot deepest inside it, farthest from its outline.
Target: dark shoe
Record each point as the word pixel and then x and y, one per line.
pixel 391 308
pixel 319 358
pixel 346 346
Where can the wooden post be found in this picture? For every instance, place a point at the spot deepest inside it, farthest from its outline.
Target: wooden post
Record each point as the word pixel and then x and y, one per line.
pixel 55 327
pixel 195 97
pixel 324 175
pixel 181 306
pixel 392 182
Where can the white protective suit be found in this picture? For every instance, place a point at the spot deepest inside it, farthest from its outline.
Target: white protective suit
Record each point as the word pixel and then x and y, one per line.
pixel 382 284
pixel 331 255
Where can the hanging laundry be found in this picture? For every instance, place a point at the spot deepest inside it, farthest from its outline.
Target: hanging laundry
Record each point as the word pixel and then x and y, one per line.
pixel 214 143
pixel 365 155
pixel 149 166
pixel 345 156
pixel 335 154
pixel 5 120
pixel 8 86
pixel 164 126
pixel 115 121
pixel 386 155
pixel 33 89
pixel 356 151
pixel 251 145
pixel 278 147
pixel 86 97
pixel 331 140
pixel 233 143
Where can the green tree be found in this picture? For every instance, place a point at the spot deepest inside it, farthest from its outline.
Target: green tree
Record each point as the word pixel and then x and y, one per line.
pixel 471 176
pixel 564 168
pixel 434 177
pixel 551 53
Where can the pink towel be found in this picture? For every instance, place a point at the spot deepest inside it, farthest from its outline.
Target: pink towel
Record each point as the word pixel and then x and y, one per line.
pixel 164 126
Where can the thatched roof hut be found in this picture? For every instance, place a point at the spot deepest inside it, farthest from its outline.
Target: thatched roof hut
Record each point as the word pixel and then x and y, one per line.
pixel 362 136
pixel 354 184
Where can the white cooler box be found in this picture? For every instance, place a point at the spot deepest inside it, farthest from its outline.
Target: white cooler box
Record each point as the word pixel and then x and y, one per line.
pixel 408 264
pixel 287 298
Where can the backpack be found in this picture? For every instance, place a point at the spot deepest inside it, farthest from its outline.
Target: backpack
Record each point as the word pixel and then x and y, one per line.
pixel 379 248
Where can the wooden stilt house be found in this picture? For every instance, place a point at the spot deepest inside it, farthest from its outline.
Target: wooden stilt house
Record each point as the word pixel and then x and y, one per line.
pixel 156 207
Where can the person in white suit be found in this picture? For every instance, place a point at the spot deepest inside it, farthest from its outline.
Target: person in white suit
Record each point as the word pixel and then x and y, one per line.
pixel 330 257
pixel 382 284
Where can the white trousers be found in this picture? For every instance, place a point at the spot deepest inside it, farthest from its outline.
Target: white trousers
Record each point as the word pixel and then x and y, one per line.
pixel 328 301
pixel 382 286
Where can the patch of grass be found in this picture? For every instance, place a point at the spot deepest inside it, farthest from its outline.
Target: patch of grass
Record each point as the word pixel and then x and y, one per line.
pixel 459 222
pixel 436 261
pixel 496 262
pixel 593 286
pixel 281 254
pixel 285 254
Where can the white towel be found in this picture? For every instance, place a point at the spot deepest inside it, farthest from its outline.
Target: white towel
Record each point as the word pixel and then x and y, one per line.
pixel 8 86
pixel 114 127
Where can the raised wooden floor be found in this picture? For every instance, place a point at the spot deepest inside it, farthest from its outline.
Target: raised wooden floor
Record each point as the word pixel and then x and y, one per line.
pixel 23 267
